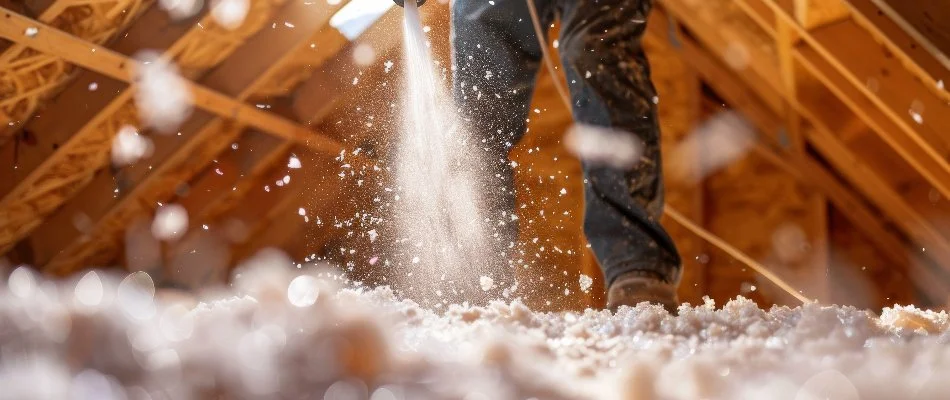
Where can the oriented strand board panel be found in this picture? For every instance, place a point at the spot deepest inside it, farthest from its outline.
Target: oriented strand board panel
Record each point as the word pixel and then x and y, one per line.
pixel 764 212
pixel 860 275
pixel 931 18
pixel 744 45
pixel 679 107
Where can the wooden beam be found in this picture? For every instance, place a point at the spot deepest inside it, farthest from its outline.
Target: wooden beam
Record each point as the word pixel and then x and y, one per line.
pixel 741 95
pixel 853 54
pixel 277 226
pixel 886 198
pixel 917 226
pixel 914 110
pixel 854 132
pixel 220 194
pixel 743 34
pixel 61 44
pixel 212 196
pixel 38 76
pixel 934 72
pixel 326 44
pixel 281 205
pixel 746 47
pixel 239 76
pixel 217 194
pixel 72 166
pixel 784 40
pixel 928 165
pixel 925 20
pixel 312 104
pixel 812 14
pixel 213 193
pixel 810 172
pixel 310 98
pixel 81 99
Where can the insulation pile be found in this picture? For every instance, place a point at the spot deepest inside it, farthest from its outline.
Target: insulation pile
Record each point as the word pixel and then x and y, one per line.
pixel 287 332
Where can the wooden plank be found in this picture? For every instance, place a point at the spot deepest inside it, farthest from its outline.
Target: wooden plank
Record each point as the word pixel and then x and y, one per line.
pixel 742 96
pixel 257 151
pixel 281 204
pixel 812 14
pixel 887 199
pixel 93 147
pixel 180 164
pixel 83 98
pixel 280 224
pixel 336 78
pixel 67 96
pixel 115 65
pixel 229 190
pixel 893 89
pixel 217 194
pixel 927 166
pixel 729 193
pixel 38 76
pixel 857 39
pixel 237 76
pixel 310 99
pixel 759 12
pixel 731 32
pixel 784 40
pixel 934 73
pixel 212 198
pixel 925 20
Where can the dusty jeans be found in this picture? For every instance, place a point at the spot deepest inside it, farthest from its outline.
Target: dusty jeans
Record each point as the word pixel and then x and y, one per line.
pixel 497 56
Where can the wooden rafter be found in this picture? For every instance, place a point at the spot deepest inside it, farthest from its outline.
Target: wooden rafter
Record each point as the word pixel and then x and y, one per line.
pixel 821 137
pixel 237 77
pixel 112 64
pixel 811 14
pixel 267 168
pixel 858 62
pixel 741 43
pixel 34 76
pixel 41 136
pixel 931 69
pixel 48 187
pixel 925 21
pixel 808 171
pixel 211 194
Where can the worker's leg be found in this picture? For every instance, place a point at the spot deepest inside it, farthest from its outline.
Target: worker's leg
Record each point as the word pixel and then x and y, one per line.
pixel 496 59
pixel 610 85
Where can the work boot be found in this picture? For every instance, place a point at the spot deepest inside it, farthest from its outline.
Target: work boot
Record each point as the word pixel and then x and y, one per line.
pixel 635 287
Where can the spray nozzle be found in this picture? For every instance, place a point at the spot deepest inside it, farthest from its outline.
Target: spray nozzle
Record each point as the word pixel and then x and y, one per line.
pixel 401 3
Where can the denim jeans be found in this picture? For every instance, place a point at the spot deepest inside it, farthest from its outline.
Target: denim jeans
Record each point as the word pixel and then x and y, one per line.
pixel 496 56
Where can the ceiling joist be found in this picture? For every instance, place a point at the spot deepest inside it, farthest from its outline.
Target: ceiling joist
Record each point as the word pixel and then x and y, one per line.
pixel 248 71
pixel 738 94
pixel 267 168
pixel 39 75
pixel 717 37
pixel 32 199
